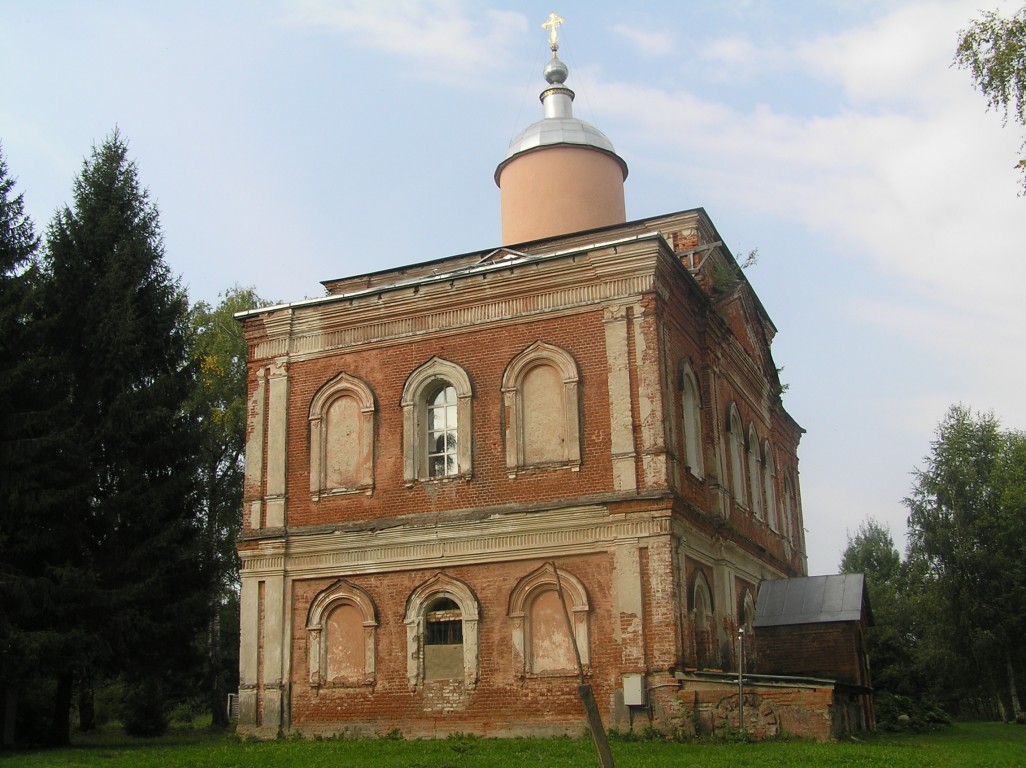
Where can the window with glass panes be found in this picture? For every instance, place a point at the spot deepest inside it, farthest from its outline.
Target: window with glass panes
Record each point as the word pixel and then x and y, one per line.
pixel 442 435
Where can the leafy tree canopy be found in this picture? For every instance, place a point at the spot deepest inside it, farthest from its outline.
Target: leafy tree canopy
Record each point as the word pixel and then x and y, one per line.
pixel 871 551
pixel 967 545
pixel 993 49
pixel 219 403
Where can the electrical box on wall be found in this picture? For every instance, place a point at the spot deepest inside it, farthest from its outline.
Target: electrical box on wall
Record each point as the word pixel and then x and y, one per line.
pixel 634 690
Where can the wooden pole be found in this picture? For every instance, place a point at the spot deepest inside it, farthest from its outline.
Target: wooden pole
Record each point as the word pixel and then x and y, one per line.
pixel 598 732
pixel 741 679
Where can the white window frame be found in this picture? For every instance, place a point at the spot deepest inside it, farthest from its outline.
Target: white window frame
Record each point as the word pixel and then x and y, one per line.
pixel 541 353
pixel 541 580
pixel 339 593
pixel 691 410
pixel 736 441
pixel 438 586
pixel 754 472
pixel 420 385
pixel 341 385
pixel 769 475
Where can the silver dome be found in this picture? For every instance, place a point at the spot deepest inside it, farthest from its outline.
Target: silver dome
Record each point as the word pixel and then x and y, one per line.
pixel 559 126
pixel 558 130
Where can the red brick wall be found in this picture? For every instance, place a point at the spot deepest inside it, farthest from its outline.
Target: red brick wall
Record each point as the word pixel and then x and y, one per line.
pixel 484 355
pixel 696 335
pixel 816 650
pixel 504 702
pixel 821 712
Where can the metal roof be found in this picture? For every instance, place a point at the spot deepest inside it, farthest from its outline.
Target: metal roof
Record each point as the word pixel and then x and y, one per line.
pixel 812 600
pixel 559 130
pixel 559 127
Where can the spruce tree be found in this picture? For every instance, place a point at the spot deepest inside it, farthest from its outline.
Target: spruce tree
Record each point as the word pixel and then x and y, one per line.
pixel 18 248
pixel 126 567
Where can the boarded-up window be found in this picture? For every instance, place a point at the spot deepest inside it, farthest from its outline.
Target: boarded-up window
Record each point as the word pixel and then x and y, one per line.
pixel 443 641
pixel 754 473
pixel 736 438
pixel 770 487
pixel 692 424
pixel 542 410
pixel 340 630
pixel 544 415
pixel 551 647
pixel 342 437
pixel 345 643
pixel 542 642
pixel 441 633
pixel 703 622
pixel 342 443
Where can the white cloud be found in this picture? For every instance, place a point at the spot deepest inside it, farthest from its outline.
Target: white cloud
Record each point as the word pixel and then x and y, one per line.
pixel 897 57
pixel 446 36
pixel 649 42
pixel 924 190
pixel 906 175
pixel 733 53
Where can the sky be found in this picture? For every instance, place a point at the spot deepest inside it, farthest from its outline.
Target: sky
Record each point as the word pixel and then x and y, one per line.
pixel 289 142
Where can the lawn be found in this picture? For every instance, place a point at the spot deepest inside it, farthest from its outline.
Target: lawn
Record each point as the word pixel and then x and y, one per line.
pixel 966 744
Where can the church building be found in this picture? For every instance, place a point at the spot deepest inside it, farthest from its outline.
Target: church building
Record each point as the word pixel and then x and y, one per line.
pixel 474 482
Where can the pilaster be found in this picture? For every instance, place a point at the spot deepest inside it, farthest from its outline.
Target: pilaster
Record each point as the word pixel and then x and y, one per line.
pixel 621 423
pixel 277 424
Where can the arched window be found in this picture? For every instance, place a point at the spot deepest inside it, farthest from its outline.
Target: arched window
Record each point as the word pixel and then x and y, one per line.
pixel 340 627
pixel 788 510
pixel 736 442
pixel 754 472
pixel 442 432
pixel 436 422
pixel 541 642
pixel 342 437
pixel 747 620
pixel 747 617
pixel 441 632
pixel 769 481
pixel 443 640
pixel 539 388
pixel 692 421
pixel 703 620
pixel 796 520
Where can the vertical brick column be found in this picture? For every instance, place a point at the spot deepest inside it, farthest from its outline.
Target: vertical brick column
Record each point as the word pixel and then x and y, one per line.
pixel 277 425
pixel 621 429
pixel 254 478
pixel 652 416
pixel 628 606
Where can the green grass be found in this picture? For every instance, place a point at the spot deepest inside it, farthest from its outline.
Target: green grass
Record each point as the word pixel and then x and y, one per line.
pixel 990 745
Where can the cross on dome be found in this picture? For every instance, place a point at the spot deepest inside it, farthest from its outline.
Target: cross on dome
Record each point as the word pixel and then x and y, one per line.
pixel 552 25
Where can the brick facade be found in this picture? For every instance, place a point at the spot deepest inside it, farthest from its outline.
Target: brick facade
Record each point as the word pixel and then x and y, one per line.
pixel 819 709
pixel 651 540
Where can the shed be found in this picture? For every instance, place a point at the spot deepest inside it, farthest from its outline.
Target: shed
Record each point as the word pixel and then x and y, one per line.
pixel 816 626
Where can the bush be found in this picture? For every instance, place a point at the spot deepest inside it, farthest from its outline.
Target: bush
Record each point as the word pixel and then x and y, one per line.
pixel 142 708
pixel 107 702
pixel 34 711
pixel 903 713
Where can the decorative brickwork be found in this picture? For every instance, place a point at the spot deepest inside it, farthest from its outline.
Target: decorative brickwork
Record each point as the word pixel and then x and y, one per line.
pixel 592 377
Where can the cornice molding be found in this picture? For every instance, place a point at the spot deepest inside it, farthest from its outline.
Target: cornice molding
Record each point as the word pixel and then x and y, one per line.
pixel 505 538
pixel 497 298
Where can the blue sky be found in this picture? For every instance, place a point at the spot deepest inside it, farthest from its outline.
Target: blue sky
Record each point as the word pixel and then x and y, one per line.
pixel 287 143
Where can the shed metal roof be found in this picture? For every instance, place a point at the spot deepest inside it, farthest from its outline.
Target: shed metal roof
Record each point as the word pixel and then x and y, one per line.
pixel 812 600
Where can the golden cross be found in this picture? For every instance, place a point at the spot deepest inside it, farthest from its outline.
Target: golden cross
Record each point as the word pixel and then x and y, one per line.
pixel 552 25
